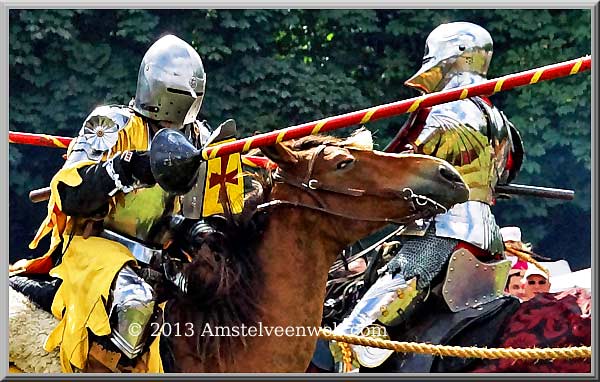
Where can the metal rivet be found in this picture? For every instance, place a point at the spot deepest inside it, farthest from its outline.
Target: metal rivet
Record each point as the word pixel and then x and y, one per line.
pixel 485 268
pixel 451 269
pixel 450 300
pixel 449 280
pixel 446 291
pixel 454 258
pixel 466 303
pixel 474 300
pixel 476 265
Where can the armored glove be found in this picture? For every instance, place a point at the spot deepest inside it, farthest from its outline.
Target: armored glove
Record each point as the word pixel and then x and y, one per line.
pixel 189 257
pixel 136 167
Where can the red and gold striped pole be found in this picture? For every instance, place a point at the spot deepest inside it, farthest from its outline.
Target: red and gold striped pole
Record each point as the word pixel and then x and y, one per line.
pixel 529 77
pixel 489 87
pixel 63 143
pixel 38 139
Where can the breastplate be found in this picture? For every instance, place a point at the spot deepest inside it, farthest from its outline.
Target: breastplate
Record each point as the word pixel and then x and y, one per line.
pixel 472 222
pixel 143 214
pixel 139 213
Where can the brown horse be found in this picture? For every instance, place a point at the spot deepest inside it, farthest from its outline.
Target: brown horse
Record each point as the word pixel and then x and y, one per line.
pixel 255 306
pixel 327 193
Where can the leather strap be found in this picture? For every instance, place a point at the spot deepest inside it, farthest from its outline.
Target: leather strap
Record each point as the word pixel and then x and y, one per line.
pixel 425 206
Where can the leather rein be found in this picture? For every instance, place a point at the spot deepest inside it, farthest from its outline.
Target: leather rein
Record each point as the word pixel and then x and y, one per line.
pixel 421 206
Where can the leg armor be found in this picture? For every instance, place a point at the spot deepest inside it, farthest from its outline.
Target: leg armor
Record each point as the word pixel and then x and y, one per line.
pixel 393 295
pixel 389 294
pixel 131 312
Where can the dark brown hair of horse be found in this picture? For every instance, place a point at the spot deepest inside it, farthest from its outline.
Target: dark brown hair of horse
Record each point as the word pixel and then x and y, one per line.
pixel 224 279
pixel 225 275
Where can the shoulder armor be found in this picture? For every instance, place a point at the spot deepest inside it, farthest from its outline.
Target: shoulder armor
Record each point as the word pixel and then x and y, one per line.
pixel 474 137
pixel 458 121
pixel 505 141
pixel 99 133
pixel 463 112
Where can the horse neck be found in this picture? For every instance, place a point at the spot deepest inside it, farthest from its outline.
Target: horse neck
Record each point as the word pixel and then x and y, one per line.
pixel 295 256
pixel 297 249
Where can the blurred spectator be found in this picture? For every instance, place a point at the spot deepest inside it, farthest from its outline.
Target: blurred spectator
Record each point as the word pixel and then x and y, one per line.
pixel 514 286
pixel 357 266
pixel 511 236
pixel 535 281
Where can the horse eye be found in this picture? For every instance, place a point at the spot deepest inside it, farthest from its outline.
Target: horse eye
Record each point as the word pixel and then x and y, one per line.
pixel 344 164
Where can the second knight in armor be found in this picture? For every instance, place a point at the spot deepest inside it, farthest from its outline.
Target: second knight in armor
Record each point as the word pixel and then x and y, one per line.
pixel 485 148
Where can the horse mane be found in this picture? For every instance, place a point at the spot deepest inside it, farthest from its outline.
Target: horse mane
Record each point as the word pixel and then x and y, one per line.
pixel 225 275
pixel 360 139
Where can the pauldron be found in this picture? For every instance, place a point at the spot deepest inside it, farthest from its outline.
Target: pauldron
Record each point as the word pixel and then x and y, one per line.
pixel 472 136
pixel 99 133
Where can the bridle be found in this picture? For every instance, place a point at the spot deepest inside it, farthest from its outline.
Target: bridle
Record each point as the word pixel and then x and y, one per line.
pixel 421 206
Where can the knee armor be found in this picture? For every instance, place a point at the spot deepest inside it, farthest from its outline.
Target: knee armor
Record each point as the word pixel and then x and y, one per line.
pixel 131 312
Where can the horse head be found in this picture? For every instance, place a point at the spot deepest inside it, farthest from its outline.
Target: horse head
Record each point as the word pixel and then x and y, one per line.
pixel 346 178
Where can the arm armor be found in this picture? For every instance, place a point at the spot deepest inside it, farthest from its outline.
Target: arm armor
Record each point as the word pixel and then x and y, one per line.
pixel 517 154
pixel 96 138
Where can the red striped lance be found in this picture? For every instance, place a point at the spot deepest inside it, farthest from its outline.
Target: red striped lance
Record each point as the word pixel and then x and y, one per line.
pixel 39 139
pixel 489 87
pixel 63 143
pixel 393 109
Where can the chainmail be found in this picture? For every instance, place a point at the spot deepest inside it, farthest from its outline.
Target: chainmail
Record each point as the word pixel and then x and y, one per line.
pixel 422 256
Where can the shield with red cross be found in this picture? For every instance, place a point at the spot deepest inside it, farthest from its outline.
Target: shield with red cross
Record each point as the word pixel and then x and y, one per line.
pixel 224 184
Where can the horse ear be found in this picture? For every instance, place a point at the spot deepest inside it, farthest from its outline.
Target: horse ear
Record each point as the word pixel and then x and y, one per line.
pixel 280 154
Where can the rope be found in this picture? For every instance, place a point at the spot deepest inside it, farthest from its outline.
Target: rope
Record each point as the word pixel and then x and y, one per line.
pixel 458 351
pixel 346 355
pixel 526 256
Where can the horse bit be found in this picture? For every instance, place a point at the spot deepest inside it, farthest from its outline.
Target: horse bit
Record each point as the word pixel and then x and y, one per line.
pixel 426 205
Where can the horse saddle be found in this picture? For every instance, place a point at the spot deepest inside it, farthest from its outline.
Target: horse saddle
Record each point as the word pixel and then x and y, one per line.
pixel 40 289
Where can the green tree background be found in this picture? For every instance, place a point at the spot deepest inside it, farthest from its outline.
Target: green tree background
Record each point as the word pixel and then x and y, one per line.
pixel 270 69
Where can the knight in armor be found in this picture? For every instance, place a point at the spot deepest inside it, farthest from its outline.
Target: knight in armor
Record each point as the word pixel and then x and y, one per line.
pixel 486 149
pixel 109 219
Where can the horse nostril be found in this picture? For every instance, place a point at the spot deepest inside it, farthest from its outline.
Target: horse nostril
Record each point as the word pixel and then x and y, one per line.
pixel 449 174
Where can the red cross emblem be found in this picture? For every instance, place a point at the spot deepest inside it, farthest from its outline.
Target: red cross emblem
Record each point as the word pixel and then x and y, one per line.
pixel 222 178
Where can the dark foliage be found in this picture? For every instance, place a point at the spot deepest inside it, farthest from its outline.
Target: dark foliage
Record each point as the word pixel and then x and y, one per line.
pixel 275 68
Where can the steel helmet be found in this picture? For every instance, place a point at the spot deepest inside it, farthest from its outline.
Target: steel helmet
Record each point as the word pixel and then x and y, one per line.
pixel 171 80
pixel 453 48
